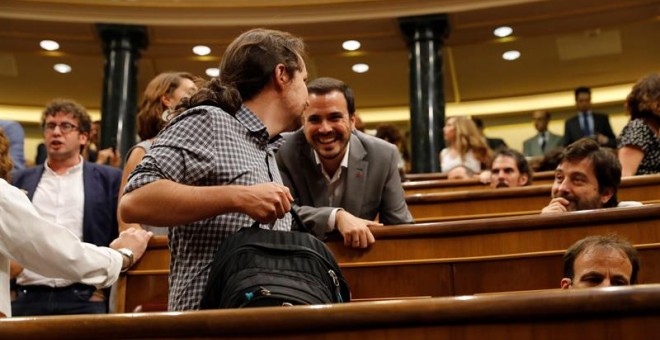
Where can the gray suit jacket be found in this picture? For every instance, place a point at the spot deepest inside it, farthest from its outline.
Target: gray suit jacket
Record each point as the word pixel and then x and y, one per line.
pixel 531 147
pixel 373 184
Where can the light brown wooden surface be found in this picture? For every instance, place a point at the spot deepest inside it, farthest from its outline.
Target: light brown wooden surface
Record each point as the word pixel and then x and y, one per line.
pixel 614 313
pixel 438 259
pixel 472 184
pixel 461 204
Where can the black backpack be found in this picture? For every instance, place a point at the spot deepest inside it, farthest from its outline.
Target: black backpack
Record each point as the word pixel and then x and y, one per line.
pixel 258 267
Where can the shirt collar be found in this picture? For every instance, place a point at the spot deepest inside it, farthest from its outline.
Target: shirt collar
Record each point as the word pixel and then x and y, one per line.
pixel 252 123
pixel 71 170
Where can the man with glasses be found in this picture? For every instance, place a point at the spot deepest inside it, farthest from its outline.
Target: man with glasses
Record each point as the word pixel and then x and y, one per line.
pixel 77 194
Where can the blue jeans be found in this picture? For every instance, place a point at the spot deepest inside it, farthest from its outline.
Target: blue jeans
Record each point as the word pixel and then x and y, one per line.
pixel 44 300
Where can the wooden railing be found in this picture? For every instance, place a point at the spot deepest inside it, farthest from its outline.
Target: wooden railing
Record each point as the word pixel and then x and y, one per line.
pixel 621 312
pixel 439 259
pixel 472 184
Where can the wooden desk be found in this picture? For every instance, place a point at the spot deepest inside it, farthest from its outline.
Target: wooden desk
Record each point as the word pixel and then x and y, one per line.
pixel 621 312
pixel 472 184
pixel 522 200
pixel 437 259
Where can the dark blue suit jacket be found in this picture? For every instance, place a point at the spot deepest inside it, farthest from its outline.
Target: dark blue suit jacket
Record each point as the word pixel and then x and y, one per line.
pixel 101 183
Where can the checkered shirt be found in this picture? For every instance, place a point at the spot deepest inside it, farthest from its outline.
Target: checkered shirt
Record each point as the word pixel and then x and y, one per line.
pixel 207 146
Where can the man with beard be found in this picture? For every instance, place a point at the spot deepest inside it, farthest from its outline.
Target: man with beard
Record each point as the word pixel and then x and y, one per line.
pixel 587 177
pixel 341 179
pixel 212 171
pixel 509 170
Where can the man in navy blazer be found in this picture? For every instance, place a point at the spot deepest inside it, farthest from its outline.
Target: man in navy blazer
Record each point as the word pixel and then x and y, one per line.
pixel 339 184
pixel 69 191
pixel 587 123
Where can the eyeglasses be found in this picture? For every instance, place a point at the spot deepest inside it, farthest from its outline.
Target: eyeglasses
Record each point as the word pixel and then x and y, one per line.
pixel 64 127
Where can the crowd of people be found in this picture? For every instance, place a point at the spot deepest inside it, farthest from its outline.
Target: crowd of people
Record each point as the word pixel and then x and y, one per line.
pixel 258 142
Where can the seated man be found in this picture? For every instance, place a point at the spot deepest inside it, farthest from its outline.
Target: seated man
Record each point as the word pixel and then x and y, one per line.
pixel 600 261
pixel 340 184
pixel 587 177
pixel 510 169
pixel 460 172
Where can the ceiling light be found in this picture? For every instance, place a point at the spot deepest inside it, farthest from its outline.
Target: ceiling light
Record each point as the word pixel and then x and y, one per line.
pixel 503 31
pixel 49 45
pixel 511 55
pixel 212 71
pixel 201 50
pixel 62 68
pixel 351 45
pixel 360 68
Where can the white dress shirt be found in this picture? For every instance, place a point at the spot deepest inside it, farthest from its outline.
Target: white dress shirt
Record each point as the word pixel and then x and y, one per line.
pixel 47 248
pixel 336 185
pixel 59 199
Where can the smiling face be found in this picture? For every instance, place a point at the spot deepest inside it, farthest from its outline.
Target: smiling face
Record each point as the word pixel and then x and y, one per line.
pixel 327 125
pixel 62 146
pixel 576 181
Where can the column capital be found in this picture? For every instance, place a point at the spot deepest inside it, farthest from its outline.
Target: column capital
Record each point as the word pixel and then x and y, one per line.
pixel 125 37
pixel 425 27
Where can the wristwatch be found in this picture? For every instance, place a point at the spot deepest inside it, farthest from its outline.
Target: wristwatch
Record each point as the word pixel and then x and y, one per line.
pixel 128 254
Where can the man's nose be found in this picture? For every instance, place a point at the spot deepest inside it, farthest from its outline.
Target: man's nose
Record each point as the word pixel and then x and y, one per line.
pixel 325 126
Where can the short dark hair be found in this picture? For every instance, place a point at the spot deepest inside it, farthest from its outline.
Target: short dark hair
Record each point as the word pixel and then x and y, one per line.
pixel 70 107
pixel 611 241
pixel 521 162
pixel 582 89
pixel 606 166
pixel 325 85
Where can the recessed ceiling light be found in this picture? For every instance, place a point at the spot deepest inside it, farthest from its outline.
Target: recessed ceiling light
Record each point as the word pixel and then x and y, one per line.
pixel 212 71
pixel 360 68
pixel 503 31
pixel 62 68
pixel 201 50
pixel 49 45
pixel 351 45
pixel 511 55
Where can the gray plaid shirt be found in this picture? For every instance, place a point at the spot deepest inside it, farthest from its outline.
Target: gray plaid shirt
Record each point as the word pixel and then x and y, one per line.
pixel 206 146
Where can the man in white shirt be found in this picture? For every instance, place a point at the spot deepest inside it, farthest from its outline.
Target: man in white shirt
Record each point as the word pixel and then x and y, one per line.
pixel 74 193
pixel 52 250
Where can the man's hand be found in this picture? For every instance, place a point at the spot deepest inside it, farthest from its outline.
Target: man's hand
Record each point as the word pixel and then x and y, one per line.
pixel 133 239
pixel 557 205
pixel 265 202
pixel 109 157
pixel 355 230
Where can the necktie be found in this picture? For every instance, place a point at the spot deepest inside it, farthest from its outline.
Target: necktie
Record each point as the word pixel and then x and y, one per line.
pixel 543 142
pixel 586 129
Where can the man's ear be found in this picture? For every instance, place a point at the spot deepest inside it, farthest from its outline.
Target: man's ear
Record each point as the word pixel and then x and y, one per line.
pixel 605 196
pixel 351 118
pixel 83 138
pixel 166 100
pixel 566 283
pixel 523 179
pixel 280 76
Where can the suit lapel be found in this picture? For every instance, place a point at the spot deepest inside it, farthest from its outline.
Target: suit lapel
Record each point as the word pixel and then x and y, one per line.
pixel 316 188
pixel 31 182
pixel 356 178
pixel 91 194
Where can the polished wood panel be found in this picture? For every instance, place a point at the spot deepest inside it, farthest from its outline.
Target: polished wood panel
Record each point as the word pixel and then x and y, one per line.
pixel 472 184
pixel 525 200
pixel 622 312
pixel 449 258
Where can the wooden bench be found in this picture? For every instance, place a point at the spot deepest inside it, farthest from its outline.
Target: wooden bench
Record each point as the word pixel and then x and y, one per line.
pixel 437 259
pixel 522 200
pixel 621 312
pixel 540 175
pixel 472 184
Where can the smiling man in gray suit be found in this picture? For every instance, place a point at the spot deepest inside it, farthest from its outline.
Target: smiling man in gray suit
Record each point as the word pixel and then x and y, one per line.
pixel 341 178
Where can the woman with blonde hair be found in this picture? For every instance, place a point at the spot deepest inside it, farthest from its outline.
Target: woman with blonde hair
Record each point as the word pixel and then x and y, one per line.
pixel 465 147
pixel 157 106
pixel 639 142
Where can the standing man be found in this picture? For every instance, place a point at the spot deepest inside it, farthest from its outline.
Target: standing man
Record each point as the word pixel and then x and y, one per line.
pixel 211 171
pixel 77 194
pixel 587 177
pixel 340 178
pixel 545 140
pixel 509 170
pixel 600 261
pixel 588 124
